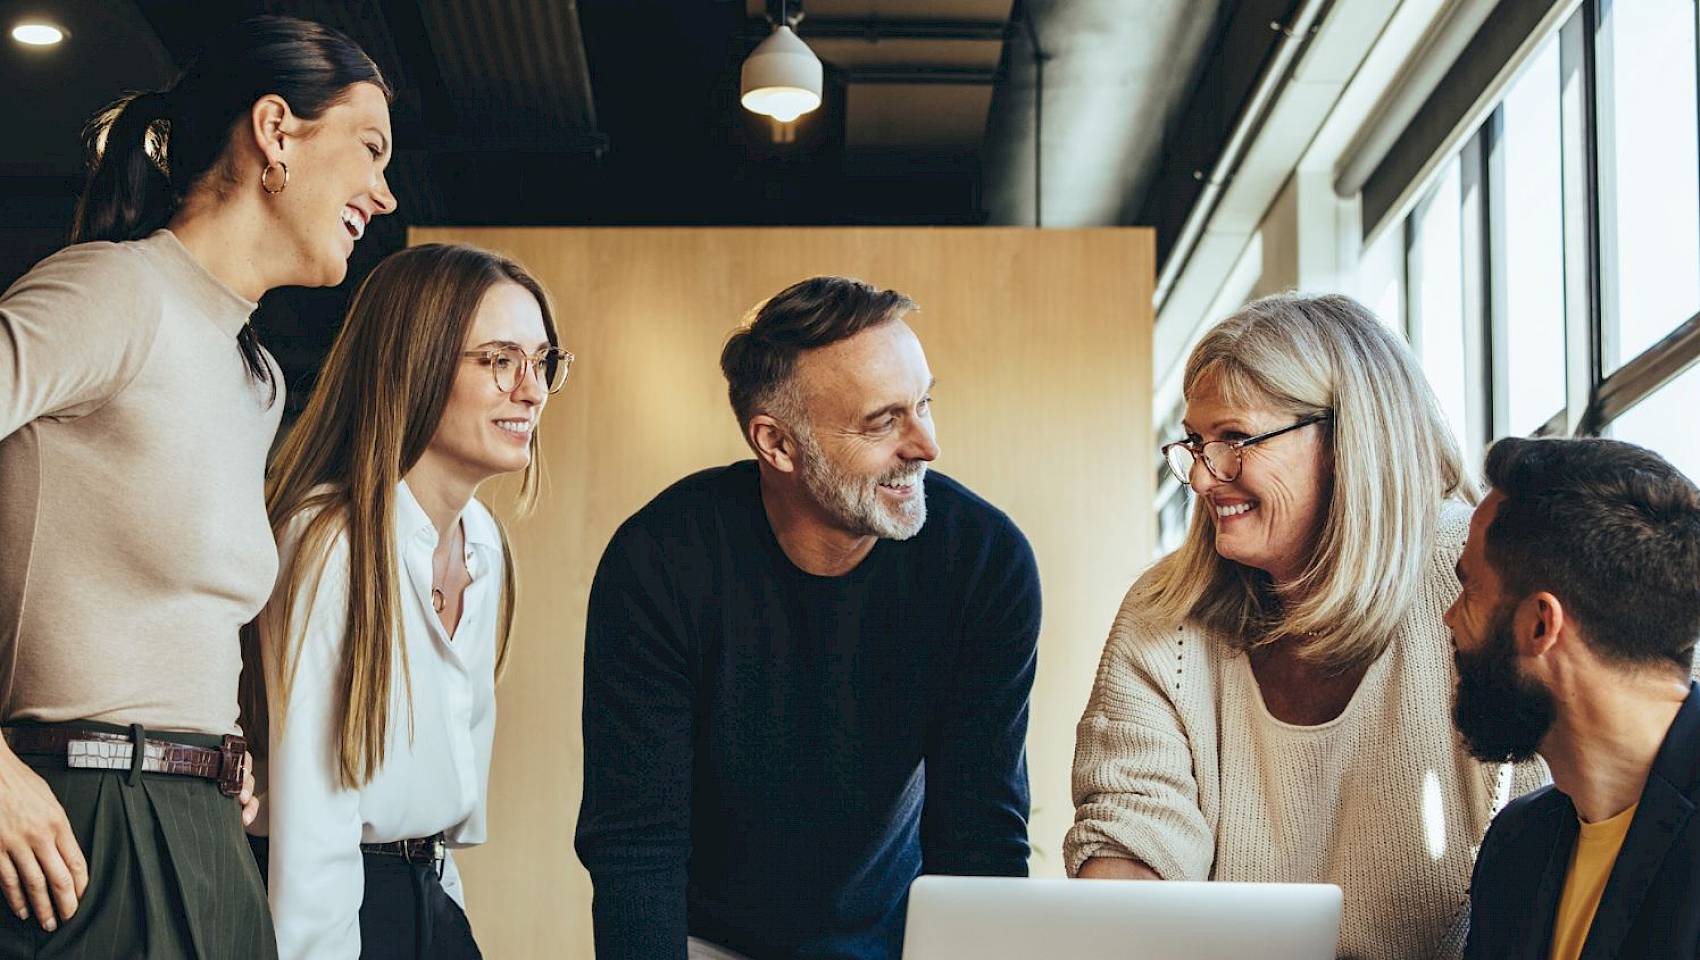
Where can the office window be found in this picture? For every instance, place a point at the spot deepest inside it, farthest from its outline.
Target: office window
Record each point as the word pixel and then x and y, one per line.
pixel 1381 278
pixel 1579 233
pixel 1526 215
pixel 1550 277
pixel 1663 423
pixel 1473 260
pixel 1435 268
pixel 1174 499
pixel 1649 172
pixel 1174 514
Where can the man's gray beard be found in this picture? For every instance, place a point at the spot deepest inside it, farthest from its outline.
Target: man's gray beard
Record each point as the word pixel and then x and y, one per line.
pixel 855 501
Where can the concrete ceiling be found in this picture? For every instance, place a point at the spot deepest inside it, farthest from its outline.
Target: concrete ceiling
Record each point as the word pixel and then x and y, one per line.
pixel 501 103
pixel 1115 75
pixel 625 111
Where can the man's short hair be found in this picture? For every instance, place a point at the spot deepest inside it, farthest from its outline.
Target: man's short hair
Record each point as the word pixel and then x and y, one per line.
pixel 761 356
pixel 1610 529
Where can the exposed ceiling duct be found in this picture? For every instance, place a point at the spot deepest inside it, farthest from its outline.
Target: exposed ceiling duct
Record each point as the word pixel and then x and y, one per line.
pixel 1114 75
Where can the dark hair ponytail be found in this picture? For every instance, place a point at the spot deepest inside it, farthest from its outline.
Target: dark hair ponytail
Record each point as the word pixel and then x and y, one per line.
pixel 148 150
pixel 128 194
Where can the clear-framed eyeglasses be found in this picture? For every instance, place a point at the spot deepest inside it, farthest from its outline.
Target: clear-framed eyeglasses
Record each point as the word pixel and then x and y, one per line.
pixel 1222 457
pixel 509 365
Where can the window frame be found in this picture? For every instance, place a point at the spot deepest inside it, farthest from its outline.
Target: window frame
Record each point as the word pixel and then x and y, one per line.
pixel 1595 398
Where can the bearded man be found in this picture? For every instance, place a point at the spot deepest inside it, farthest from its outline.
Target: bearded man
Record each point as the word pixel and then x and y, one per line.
pixel 1575 638
pixel 807 675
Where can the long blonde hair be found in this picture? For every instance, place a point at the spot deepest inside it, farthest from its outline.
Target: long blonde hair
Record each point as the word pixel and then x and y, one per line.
pixel 1394 461
pixel 373 411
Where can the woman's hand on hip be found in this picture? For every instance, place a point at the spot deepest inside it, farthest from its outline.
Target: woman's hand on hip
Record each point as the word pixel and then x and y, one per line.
pixel 41 866
pixel 250 803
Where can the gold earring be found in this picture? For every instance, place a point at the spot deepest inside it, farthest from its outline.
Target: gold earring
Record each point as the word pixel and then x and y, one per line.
pixel 265 177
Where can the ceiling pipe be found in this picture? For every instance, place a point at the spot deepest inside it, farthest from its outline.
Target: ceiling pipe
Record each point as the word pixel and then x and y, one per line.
pixel 1039 58
pixel 1112 84
pixel 1294 36
pixel 875 30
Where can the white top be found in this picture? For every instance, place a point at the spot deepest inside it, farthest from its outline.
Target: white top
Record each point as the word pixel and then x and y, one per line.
pixel 435 782
pixel 1179 764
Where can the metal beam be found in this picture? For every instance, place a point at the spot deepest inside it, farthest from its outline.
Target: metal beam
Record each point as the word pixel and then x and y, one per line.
pixel 951 76
pixel 873 31
pixel 1638 379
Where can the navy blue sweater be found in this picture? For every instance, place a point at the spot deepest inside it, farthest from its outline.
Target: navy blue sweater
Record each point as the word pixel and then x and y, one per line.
pixel 771 757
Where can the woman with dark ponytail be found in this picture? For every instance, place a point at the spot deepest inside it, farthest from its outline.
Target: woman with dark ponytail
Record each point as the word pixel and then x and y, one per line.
pixel 136 409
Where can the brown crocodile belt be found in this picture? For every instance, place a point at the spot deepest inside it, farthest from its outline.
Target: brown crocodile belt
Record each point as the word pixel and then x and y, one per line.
pixel 99 750
pixel 422 850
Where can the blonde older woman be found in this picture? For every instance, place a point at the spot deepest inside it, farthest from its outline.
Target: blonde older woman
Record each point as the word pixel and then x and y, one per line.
pixel 1273 703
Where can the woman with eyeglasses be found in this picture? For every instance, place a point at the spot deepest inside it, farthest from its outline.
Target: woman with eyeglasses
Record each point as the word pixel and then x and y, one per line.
pixel 389 625
pixel 1273 703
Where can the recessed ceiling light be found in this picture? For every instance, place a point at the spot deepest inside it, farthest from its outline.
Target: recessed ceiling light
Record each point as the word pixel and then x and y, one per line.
pixel 37 34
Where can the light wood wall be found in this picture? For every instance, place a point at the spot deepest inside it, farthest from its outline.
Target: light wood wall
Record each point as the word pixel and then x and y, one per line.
pixel 1041 342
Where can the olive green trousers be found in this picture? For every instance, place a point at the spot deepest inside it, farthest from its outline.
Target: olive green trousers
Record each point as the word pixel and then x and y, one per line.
pixel 170 874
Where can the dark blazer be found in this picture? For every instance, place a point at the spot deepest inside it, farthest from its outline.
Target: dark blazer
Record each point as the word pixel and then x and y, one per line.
pixel 1651 905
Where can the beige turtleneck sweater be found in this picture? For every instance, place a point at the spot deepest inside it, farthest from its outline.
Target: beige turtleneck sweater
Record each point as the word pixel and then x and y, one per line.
pixel 1179 764
pixel 133 534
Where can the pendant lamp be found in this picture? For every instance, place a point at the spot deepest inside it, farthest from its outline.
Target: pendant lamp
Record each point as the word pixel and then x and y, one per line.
pixel 781 77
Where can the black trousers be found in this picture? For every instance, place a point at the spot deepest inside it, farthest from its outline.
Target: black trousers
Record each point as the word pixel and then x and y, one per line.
pixel 405 915
pixel 169 875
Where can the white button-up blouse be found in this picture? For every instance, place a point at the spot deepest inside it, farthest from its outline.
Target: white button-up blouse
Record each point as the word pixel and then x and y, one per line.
pixel 433 782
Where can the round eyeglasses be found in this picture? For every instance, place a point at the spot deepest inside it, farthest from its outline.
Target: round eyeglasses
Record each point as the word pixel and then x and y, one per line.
pixel 510 364
pixel 1222 457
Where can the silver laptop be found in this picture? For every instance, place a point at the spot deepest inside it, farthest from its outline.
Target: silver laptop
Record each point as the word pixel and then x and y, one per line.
pixel 1003 918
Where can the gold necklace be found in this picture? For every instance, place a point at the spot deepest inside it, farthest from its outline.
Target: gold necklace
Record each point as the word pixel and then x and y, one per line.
pixel 437 599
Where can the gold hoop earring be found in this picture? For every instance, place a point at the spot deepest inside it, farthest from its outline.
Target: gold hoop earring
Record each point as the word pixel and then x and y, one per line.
pixel 265 177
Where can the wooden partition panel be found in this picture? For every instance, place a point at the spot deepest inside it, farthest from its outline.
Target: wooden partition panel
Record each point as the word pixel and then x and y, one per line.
pixel 1041 342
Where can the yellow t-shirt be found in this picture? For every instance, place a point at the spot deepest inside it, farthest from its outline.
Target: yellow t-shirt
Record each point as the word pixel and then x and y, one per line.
pixel 1590 867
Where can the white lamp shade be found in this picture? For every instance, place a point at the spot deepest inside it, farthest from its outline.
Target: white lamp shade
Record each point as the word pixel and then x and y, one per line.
pixel 781 77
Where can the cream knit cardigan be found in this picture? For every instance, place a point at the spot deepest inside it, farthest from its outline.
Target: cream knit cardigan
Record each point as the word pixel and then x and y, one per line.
pixel 1178 764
